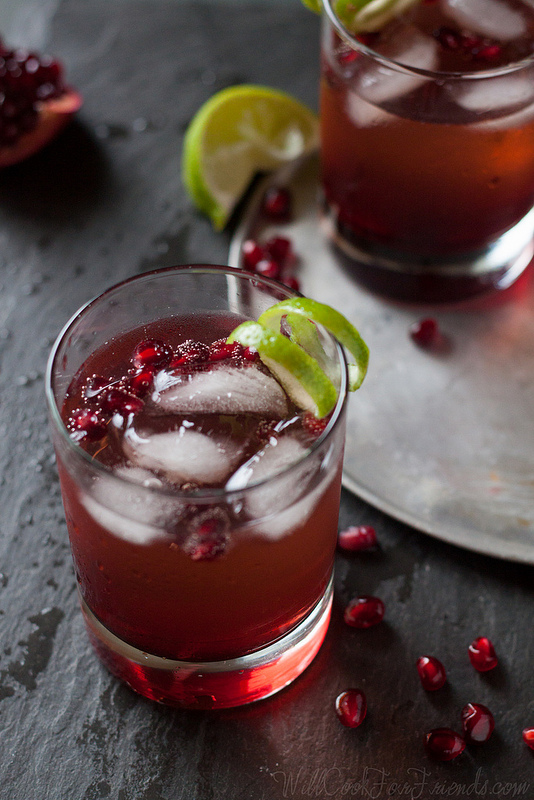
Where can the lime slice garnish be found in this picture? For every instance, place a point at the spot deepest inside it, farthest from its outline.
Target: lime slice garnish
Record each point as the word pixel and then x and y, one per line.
pixel 334 322
pixel 239 132
pixel 313 5
pixel 300 374
pixel 359 16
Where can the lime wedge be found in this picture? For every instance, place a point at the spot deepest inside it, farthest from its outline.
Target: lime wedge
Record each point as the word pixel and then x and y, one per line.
pixel 359 16
pixel 313 5
pixel 333 321
pixel 300 374
pixel 239 132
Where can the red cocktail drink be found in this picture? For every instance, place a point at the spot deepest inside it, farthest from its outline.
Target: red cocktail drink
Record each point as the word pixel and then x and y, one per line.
pixel 428 146
pixel 201 503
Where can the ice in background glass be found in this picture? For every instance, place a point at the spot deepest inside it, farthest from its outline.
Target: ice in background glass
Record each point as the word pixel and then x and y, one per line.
pixel 205 574
pixel 427 137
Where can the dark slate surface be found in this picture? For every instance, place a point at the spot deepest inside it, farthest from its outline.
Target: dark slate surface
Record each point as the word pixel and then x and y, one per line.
pixel 102 203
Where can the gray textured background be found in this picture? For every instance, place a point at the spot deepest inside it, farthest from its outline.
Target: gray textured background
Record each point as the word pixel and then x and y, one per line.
pixel 101 203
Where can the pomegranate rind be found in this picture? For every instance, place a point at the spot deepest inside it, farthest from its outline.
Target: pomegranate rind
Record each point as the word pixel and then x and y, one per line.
pixel 53 116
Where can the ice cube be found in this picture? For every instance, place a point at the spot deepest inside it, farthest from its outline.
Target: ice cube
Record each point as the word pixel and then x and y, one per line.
pixel 224 390
pixel 487 95
pixel 364 114
pixel 182 455
pixel 491 18
pixel 410 47
pixel 275 508
pixel 108 497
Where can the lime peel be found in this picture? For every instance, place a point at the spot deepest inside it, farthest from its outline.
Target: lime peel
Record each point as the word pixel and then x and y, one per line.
pixel 300 374
pixel 368 16
pixel 334 322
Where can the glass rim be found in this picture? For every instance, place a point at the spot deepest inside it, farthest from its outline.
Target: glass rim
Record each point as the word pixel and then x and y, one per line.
pixel 202 493
pixel 351 40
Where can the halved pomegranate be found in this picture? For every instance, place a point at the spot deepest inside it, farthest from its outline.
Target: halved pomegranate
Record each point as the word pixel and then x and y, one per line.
pixel 35 103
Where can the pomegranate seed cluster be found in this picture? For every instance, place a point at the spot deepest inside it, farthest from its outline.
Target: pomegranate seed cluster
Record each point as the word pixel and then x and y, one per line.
pixel 275 257
pixel 104 398
pixel 26 81
pixel 469 45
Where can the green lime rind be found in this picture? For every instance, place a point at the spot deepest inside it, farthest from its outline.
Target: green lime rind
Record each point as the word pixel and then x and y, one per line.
pixel 313 5
pixel 367 16
pixel 237 133
pixel 334 322
pixel 300 374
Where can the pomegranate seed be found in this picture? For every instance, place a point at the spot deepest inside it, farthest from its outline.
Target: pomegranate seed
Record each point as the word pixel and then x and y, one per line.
pixel 314 426
pixel 152 353
pixel 208 541
pixel 142 382
pixel 477 723
pixel 25 81
pixel 277 203
pixel 221 350
pixel 431 672
pixel 491 52
pixel 291 283
pixel 364 612
pixel 444 744
pixel 449 38
pixel 482 654
pixel 268 268
pixel 88 423
pixel 351 708
pixel 357 538
pixel 118 401
pixel 280 250
pixel 250 354
pixel 190 353
pixel 425 332
pixel 252 253
pixel 528 737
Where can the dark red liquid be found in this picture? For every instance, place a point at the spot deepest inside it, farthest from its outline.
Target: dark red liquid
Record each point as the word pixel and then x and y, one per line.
pixel 160 595
pixel 438 168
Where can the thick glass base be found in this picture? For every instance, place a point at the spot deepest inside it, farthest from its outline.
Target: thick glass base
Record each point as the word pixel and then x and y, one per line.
pixel 428 280
pixel 214 684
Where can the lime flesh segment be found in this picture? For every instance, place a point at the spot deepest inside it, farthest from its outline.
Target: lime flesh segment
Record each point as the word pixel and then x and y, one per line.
pixel 367 16
pixel 237 133
pixel 334 322
pixel 300 374
pixel 313 5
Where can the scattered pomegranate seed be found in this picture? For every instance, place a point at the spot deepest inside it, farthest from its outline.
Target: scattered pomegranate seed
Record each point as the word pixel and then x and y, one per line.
pixel 364 612
pixel 277 203
pixel 351 708
pixel 280 250
pixel 189 353
pixel 482 654
pixel 425 332
pixel 528 737
pixel 291 283
pixel 444 744
pixel 118 401
pixel 357 538
pixel 268 268
pixel 152 353
pixel 449 38
pixel 141 382
pixel 252 254
pixel 431 672
pixel 208 541
pixel 477 723
pixel 89 423
pixel 220 350
pixel 313 425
